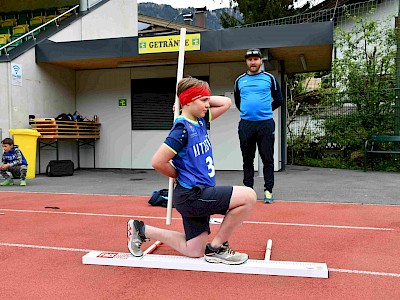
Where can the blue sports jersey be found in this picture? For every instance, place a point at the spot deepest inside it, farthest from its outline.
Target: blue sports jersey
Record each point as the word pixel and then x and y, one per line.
pixel 194 160
pixel 14 157
pixel 257 95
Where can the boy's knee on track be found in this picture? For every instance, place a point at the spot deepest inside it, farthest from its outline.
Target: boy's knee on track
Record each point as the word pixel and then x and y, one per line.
pixel 253 195
pixel 252 198
pixel 196 254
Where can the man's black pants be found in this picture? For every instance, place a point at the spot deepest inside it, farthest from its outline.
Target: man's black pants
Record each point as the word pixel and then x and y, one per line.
pixel 262 135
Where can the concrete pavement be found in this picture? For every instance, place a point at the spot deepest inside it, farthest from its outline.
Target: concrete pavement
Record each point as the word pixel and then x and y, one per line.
pixel 296 183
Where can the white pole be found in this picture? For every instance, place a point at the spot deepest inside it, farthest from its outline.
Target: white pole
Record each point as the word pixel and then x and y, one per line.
pixel 268 251
pixel 260 163
pixel 152 248
pixel 179 76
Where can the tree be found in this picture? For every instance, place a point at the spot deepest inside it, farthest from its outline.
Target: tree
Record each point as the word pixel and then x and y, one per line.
pixel 228 20
pixel 364 75
pixel 366 56
pixel 359 103
pixel 254 11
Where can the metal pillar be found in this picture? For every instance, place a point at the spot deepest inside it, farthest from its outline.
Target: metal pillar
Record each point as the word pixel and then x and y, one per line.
pixel 83 5
pixel 397 90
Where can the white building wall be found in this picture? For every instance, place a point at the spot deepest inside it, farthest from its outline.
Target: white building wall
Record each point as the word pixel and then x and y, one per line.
pixel 45 91
pixel 224 130
pixel 4 104
pixel 115 18
pixel 98 92
pixel 385 12
pixel 48 90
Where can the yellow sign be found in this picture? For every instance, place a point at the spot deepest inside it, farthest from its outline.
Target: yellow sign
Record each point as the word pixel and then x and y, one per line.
pixel 170 43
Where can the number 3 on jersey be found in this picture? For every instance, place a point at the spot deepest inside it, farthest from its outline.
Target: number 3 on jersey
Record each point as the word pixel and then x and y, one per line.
pixel 210 166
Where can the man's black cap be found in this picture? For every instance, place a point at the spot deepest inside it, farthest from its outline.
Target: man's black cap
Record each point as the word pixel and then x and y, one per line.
pixel 253 52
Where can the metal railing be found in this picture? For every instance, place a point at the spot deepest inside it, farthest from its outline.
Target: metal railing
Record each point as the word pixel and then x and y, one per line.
pixel 325 15
pixel 38 28
pixel 318 131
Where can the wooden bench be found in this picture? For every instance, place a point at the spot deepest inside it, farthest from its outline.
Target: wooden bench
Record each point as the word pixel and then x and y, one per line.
pixel 392 143
pixel 51 130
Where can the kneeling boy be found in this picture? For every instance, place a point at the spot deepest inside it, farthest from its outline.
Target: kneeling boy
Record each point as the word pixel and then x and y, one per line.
pixel 13 161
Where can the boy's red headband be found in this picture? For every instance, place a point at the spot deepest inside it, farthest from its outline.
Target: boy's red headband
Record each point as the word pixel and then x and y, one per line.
pixel 193 94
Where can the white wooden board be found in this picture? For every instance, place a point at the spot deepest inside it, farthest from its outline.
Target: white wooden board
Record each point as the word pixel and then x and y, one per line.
pixel 264 267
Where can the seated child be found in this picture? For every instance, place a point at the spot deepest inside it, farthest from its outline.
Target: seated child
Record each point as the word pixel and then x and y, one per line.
pixel 13 161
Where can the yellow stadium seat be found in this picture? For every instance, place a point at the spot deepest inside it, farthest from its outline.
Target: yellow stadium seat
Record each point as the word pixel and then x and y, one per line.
pixel 36 20
pixel 9 22
pixel 24 28
pixel 5 38
pixel 49 18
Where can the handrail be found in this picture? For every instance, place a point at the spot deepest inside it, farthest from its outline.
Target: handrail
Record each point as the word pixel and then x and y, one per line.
pixel 37 28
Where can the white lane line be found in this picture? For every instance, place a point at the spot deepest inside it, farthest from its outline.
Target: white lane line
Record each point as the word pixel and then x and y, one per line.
pixel 364 272
pixel 320 225
pixel 89 250
pixel 162 218
pixel 56 193
pixel 337 203
pixel 45 247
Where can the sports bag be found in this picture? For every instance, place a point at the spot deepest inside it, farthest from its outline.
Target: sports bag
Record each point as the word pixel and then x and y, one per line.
pixel 159 198
pixel 60 168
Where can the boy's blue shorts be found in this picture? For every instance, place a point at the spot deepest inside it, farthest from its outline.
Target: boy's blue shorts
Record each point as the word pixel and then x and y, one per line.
pixel 197 204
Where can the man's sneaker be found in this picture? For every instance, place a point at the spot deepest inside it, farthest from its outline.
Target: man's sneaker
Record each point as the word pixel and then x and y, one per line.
pixel 225 255
pixel 22 183
pixel 135 237
pixel 7 182
pixel 268 197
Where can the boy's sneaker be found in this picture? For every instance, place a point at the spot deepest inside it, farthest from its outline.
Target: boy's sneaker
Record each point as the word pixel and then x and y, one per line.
pixel 7 182
pixel 22 183
pixel 268 197
pixel 225 255
pixel 136 237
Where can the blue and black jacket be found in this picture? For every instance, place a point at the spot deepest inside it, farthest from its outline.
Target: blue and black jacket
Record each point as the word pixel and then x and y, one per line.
pixel 257 96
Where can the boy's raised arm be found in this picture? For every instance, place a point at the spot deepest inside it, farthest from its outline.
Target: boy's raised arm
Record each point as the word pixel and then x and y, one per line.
pixel 219 105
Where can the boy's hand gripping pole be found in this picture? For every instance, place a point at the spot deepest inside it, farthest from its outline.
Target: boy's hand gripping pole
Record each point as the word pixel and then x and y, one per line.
pixel 179 76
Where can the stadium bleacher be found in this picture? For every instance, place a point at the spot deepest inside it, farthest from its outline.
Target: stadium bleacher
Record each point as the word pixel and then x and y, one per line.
pixel 15 24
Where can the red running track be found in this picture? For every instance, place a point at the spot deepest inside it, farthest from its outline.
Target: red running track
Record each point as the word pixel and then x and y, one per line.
pixel 41 250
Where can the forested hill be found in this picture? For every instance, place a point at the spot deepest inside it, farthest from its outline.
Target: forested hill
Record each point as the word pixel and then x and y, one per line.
pixel 167 12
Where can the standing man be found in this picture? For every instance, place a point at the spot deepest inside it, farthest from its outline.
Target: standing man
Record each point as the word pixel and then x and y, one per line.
pixel 257 95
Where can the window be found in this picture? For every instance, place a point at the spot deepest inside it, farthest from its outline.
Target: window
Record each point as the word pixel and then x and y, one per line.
pixel 152 101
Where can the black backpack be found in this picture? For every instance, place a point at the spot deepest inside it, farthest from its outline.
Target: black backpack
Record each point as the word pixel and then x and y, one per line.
pixel 64 117
pixel 159 198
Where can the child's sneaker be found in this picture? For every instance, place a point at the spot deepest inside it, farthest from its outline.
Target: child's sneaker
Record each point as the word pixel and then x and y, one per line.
pixel 268 197
pixel 225 255
pixel 7 182
pixel 136 237
pixel 22 183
